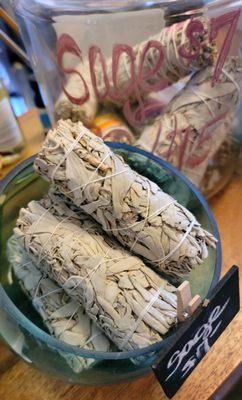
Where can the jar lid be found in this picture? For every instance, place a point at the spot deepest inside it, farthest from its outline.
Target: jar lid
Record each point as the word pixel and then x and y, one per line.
pixel 179 11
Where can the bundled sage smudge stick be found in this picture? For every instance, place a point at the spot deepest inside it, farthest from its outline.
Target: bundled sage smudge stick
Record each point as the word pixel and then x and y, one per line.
pixel 131 207
pixel 64 317
pixel 66 108
pixel 132 304
pixel 166 54
pixel 159 61
pixel 196 121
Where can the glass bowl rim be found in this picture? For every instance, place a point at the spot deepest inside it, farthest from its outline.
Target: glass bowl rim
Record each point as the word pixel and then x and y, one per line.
pixel 59 345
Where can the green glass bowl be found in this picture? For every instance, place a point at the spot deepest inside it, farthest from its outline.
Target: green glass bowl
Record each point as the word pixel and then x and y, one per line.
pixel 21 327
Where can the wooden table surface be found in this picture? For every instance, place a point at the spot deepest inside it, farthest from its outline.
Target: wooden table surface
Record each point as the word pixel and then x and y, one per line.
pixel 18 381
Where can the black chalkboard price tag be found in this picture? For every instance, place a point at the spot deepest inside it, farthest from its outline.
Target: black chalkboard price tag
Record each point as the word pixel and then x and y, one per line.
pixel 196 335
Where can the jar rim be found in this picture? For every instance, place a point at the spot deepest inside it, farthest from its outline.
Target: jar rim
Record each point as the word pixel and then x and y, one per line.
pixel 40 11
pixel 89 6
pixel 118 5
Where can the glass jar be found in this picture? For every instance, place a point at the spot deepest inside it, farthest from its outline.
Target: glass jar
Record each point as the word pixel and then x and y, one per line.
pixel 171 69
pixel 11 138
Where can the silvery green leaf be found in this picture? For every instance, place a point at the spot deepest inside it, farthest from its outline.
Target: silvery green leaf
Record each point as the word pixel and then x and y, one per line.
pixel 64 317
pixel 97 272
pixel 103 185
pixel 198 103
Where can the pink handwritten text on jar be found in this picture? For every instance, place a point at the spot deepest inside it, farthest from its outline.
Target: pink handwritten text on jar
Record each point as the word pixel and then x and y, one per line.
pixel 139 81
pixel 190 153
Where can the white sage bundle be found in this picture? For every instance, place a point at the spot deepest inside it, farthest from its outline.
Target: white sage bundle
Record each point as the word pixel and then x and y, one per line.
pixel 135 210
pixel 164 59
pixel 63 316
pixel 66 108
pixel 196 121
pixel 127 300
pixel 177 63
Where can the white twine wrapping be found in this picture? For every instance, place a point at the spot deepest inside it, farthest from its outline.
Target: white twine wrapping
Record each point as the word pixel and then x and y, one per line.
pixel 51 305
pixel 195 106
pixel 129 206
pixel 173 68
pixel 58 231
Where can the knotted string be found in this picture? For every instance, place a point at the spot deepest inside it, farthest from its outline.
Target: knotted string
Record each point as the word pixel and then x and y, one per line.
pixel 141 316
pixel 71 148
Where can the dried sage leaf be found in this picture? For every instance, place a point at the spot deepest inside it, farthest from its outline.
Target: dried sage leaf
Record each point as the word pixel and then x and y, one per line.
pixel 197 121
pixel 63 316
pixel 97 273
pixel 131 207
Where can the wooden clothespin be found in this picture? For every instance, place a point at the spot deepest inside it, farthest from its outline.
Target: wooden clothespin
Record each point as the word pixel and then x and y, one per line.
pixel 193 304
pixel 183 298
pixel 185 303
